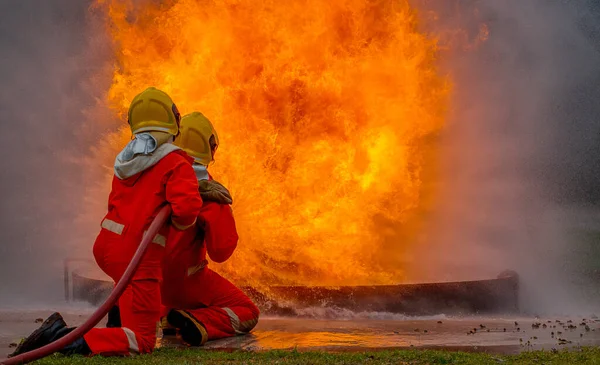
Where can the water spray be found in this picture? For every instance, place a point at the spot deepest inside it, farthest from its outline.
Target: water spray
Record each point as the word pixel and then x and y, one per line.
pixel 51 348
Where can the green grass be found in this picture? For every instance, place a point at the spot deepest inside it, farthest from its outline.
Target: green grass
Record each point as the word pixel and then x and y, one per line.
pixel 413 357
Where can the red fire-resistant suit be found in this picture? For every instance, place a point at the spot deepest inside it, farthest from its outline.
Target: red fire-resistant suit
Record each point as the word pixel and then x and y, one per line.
pixel 133 204
pixel 188 284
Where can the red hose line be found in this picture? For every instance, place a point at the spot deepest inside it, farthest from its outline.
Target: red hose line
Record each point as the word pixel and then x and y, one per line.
pixel 51 348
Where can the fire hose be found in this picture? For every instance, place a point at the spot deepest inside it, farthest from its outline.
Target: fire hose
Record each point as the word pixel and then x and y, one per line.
pixel 51 348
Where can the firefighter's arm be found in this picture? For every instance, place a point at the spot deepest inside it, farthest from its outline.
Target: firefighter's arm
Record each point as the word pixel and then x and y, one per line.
pixel 182 194
pixel 111 196
pixel 220 234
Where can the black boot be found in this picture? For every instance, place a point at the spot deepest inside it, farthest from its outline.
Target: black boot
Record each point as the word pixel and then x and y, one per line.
pixel 166 328
pixel 192 331
pixel 42 336
pixel 114 317
pixel 51 330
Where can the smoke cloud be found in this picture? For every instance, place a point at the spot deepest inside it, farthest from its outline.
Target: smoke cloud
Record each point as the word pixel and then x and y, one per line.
pixel 51 67
pixel 520 159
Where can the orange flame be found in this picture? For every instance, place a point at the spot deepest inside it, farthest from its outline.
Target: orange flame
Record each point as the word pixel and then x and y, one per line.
pixel 327 113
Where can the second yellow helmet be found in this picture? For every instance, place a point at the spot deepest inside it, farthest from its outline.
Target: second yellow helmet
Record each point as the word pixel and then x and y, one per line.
pixel 198 137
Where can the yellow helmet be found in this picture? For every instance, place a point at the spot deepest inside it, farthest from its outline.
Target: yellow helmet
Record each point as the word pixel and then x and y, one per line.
pixel 198 137
pixel 153 110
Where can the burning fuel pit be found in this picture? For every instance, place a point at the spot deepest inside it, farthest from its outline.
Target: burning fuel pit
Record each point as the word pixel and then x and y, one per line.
pixel 499 295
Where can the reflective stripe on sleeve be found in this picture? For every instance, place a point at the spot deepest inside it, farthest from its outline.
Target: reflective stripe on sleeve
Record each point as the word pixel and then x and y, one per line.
pixel 159 239
pixel 112 226
pixel 118 228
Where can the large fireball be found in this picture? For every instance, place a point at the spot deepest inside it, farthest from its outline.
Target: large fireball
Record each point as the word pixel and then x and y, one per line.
pixel 327 112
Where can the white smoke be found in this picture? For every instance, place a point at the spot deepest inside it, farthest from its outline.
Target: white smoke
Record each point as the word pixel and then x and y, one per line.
pixel 506 144
pixel 50 63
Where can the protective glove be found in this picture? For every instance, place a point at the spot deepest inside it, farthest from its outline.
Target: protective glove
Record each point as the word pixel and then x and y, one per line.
pixel 213 191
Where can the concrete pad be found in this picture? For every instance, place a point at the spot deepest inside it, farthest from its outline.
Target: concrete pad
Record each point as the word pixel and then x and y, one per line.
pixel 451 333
pixel 356 334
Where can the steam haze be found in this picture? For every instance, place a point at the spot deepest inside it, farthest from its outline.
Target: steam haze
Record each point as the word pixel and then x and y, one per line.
pixel 49 64
pixel 520 155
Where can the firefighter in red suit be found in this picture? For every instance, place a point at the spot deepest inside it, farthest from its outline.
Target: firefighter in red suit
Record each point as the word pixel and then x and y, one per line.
pixel 149 173
pixel 197 301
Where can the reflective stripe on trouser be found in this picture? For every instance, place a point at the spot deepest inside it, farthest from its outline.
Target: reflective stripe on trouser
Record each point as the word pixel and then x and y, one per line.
pixel 220 306
pixel 118 228
pixel 139 308
pixel 238 326
pixel 133 345
pixel 226 322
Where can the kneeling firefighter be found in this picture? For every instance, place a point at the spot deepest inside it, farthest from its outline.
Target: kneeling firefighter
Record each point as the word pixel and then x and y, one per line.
pixel 149 173
pixel 197 301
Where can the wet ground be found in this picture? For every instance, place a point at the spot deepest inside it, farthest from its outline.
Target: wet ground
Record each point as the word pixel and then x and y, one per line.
pixel 500 335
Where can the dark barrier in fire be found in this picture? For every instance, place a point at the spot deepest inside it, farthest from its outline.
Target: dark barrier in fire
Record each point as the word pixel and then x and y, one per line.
pixel 498 295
